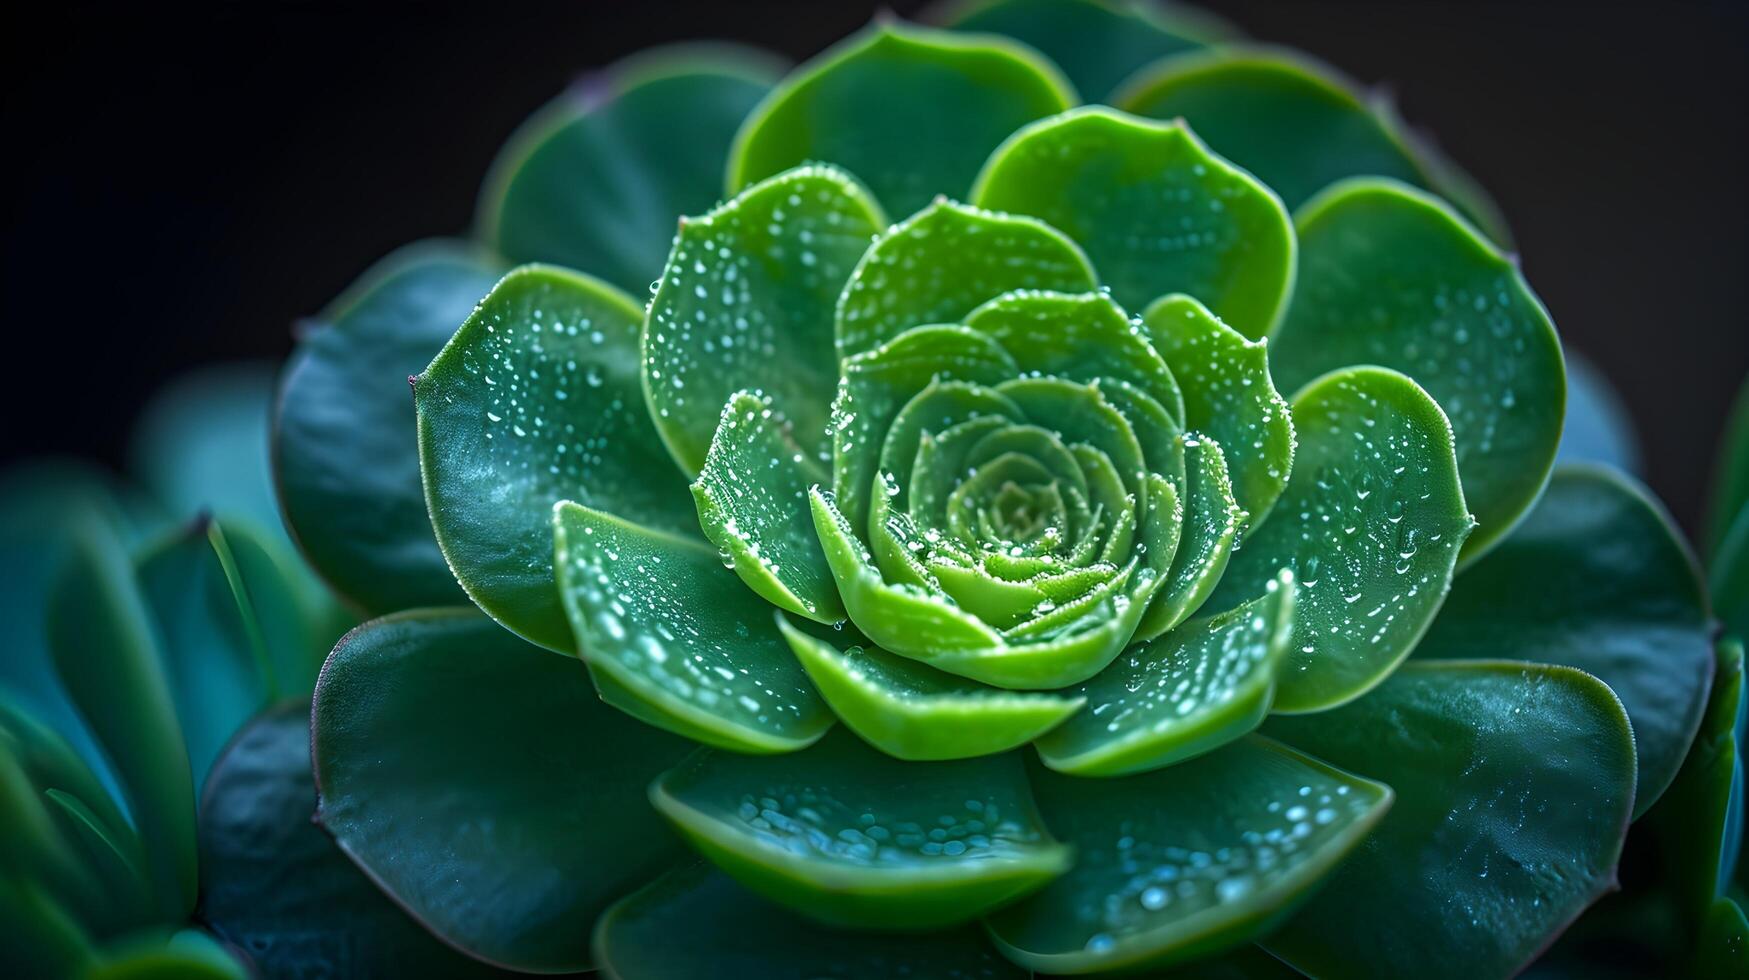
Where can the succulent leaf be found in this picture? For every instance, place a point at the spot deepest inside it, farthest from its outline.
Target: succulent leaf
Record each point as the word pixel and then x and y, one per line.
pixel 1514 787
pixel 1221 849
pixel 595 180
pixel 535 400
pixel 1156 212
pixel 1392 276
pixel 416 721
pixel 910 110
pixel 850 836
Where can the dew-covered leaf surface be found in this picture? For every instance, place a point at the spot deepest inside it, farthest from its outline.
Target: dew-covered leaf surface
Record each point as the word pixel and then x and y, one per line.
pixel 1514 786
pixel 1188 860
pixel 455 761
pixel 845 834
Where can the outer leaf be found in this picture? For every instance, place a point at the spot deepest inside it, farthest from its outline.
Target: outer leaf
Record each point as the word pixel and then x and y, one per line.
pixel 693 651
pixel 273 884
pixel 939 264
pixel 1514 786
pixel 1392 276
pixel 1598 427
pixel 1155 210
pixel 595 180
pixel 1370 523
pixel 535 400
pixel 1096 42
pixel 1598 578
pixel 1188 692
pixel 1189 860
pixel 1229 397
pixel 745 302
pixel 752 502
pixel 453 761
pixel 914 712
pixel 849 836
pixel 733 934
pixel 345 453
pixel 911 111
pixel 1295 123
pixel 101 640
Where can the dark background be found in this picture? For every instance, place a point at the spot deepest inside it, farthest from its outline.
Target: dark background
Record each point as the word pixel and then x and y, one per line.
pixel 182 184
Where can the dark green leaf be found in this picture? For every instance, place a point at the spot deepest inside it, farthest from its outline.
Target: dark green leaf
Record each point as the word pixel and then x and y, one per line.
pixel 909 110
pixel 536 399
pixel 595 180
pixel 1730 489
pixel 1598 578
pixel 455 762
pixel 1155 210
pixel 345 446
pixel 1514 787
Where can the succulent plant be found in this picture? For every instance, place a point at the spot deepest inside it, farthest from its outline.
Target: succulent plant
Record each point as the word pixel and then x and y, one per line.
pixel 931 578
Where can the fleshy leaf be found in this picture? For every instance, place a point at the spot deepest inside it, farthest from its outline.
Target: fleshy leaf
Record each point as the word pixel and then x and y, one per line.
pixel 752 499
pixel 1370 523
pixel 1229 397
pixel 846 835
pixel 102 643
pixel 1597 427
pixel 939 264
pixel 1155 210
pixel 1514 786
pixel 1298 125
pixel 910 110
pixel 273 884
pixel 1392 276
pixel 674 630
pixel 454 760
pixel 1729 575
pixel 595 180
pixel 187 954
pixel 733 933
pixel 1598 578
pixel 536 400
pixel 914 712
pixel 1098 43
pixel 345 455
pixel 1211 520
pixel 1186 861
pixel 1188 692
pixel 746 301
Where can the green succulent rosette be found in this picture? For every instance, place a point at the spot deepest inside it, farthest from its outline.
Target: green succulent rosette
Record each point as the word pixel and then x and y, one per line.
pixel 1162 504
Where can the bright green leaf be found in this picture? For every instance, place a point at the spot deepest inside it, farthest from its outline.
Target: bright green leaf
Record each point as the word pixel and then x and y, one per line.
pixel 454 760
pixel 1211 519
pixel 1155 210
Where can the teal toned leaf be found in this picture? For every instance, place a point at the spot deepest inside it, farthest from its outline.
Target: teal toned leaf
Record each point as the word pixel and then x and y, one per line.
pixel 1730 488
pixel 746 301
pixel 536 400
pixel 1391 276
pixel 730 932
pixel 909 110
pixel 1155 210
pixel 752 499
pixel 274 885
pixel 1296 124
pixel 911 711
pixel 201 444
pixel 1598 427
pixel 345 447
pixel 1598 578
pixel 1514 786
pixel 299 625
pixel 673 629
pixel 454 761
pixel 595 180
pixel 1370 524
pixel 1186 861
pixel 847 835
pixel 1229 397
pixel 1098 43
pixel 1190 691
pixel 1211 520
pixel 939 264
